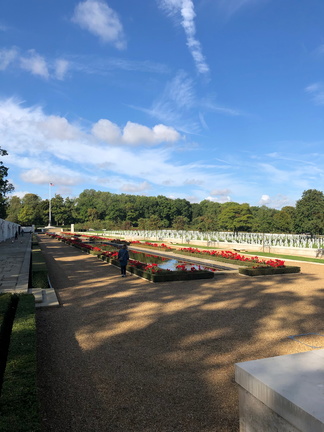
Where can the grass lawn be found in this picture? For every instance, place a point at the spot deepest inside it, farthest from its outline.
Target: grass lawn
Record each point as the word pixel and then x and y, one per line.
pixel 290 257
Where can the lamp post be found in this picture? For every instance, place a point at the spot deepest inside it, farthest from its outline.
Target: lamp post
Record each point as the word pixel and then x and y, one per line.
pixel 49 205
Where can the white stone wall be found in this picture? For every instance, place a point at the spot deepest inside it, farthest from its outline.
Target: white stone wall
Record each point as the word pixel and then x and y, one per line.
pixel 7 230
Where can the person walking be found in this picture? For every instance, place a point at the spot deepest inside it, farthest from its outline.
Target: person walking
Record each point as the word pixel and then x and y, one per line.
pixel 123 257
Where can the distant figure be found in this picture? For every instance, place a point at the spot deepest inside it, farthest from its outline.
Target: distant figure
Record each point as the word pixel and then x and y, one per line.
pixel 16 235
pixel 123 257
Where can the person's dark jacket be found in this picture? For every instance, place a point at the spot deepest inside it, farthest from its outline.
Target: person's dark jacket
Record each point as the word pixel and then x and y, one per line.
pixel 123 256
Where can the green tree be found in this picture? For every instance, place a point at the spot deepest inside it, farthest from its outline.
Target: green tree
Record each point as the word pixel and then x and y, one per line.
pixel 154 223
pixel 283 221
pixel 310 212
pixel 32 210
pixel 13 209
pixel 57 209
pixel 263 219
pixel 5 185
pixel 235 217
pixel 180 223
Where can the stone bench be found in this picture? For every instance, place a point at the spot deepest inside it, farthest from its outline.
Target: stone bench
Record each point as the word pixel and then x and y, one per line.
pixel 284 393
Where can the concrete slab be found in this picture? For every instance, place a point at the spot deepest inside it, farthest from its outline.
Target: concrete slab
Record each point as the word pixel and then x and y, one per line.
pixel 292 386
pixel 44 297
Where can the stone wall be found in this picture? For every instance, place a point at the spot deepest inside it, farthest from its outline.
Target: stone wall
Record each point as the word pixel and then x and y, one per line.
pixel 7 230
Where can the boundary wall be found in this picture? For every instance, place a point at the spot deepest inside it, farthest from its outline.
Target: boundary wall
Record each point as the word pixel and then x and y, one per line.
pixel 7 230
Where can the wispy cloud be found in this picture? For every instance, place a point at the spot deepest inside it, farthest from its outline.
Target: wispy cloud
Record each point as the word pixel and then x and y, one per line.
pixel 33 62
pixel 58 151
pixel 277 201
pixel 175 105
pixel 320 50
pixel 7 56
pixel 186 11
pixel 212 106
pixel 102 21
pixel 135 187
pixel 59 68
pixel 316 90
pixel 230 7
pixel 178 105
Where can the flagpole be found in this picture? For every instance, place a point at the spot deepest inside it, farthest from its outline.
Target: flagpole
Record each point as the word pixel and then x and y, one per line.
pixel 49 205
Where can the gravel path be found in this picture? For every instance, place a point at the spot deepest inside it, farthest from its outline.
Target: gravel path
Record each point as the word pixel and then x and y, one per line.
pixel 126 355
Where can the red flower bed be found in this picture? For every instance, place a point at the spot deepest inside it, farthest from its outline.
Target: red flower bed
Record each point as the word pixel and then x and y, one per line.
pixel 236 257
pixel 156 245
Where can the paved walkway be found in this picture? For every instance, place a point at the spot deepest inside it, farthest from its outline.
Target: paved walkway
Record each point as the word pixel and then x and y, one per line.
pixel 126 355
pixel 15 256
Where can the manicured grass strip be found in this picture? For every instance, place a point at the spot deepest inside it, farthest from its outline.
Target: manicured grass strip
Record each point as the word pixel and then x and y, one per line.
pixel 39 269
pixel 19 407
pixel 290 257
pixel 187 245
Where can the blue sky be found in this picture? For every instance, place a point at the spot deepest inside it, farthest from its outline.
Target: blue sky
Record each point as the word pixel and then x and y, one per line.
pixel 195 99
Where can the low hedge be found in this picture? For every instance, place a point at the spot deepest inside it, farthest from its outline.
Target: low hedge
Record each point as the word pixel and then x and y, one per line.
pixel 19 405
pixel 39 271
pixel 268 270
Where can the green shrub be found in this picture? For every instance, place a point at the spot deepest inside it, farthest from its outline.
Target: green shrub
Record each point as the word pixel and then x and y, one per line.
pixel 19 406
pixel 268 270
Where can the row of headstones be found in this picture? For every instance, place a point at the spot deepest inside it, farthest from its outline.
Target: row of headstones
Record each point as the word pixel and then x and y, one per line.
pixel 285 240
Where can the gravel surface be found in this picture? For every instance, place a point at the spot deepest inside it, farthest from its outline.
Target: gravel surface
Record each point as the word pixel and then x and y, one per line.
pixel 123 354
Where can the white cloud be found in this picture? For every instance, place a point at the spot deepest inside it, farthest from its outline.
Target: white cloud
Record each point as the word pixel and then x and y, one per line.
pixel 47 148
pixel 102 21
pixel 7 56
pixel 277 202
pixel 220 192
pixel 212 106
pixel 61 67
pixel 230 7
pixel 220 199
pixel 186 10
pixel 317 92
pixel 133 133
pixel 107 131
pixel 134 188
pixel 35 64
pixel 58 128
pixel 176 102
pixel 265 199
pixel 51 173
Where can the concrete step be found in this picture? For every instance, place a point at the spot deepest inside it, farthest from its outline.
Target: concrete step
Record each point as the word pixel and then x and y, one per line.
pixel 38 294
pixel 44 297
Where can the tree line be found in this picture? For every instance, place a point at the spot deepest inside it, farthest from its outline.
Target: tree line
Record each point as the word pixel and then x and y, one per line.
pixel 105 210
